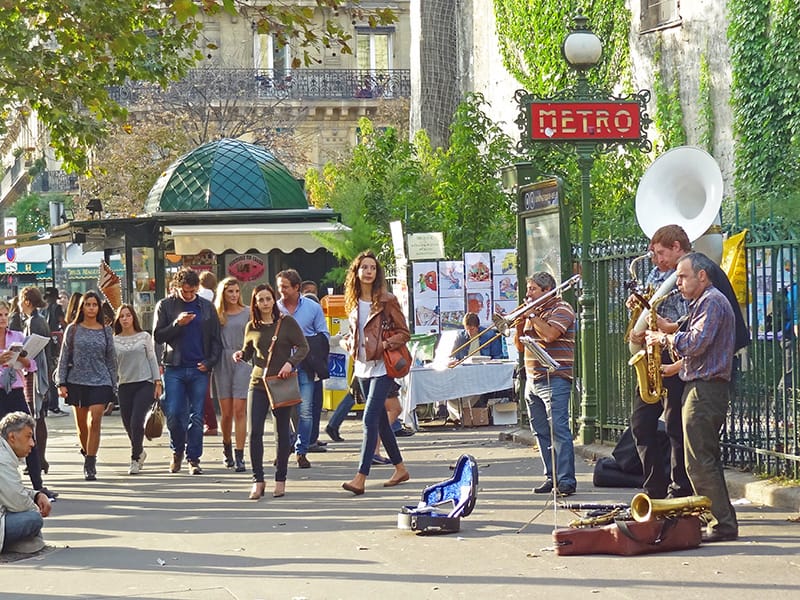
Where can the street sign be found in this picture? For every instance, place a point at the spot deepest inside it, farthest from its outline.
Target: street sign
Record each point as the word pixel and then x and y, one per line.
pixel 595 121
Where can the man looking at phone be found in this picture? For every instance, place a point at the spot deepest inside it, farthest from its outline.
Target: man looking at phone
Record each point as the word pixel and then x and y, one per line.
pixel 188 327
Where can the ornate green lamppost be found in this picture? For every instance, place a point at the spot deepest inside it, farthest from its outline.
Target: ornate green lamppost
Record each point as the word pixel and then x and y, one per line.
pixel 589 120
pixel 582 50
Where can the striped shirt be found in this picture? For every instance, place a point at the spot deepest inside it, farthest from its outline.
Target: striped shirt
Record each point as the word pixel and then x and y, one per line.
pixel 707 344
pixel 560 315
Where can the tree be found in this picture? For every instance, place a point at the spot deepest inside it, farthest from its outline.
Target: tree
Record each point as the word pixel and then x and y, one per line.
pixel 455 191
pixel 60 57
pixel 33 211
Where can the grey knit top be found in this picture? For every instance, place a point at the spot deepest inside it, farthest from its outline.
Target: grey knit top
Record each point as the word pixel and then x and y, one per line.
pixel 88 357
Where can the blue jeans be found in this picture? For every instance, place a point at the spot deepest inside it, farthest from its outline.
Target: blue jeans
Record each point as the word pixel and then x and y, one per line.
pixel 542 398
pixel 376 423
pixel 305 412
pixel 340 414
pixel 22 525
pixel 184 396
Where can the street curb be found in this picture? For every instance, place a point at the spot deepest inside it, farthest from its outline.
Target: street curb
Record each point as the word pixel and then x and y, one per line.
pixel 740 485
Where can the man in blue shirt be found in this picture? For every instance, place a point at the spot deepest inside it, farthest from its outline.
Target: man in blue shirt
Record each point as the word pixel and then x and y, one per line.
pixel 311 319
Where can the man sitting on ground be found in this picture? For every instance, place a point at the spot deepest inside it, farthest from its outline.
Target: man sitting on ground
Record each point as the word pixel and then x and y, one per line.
pixel 21 509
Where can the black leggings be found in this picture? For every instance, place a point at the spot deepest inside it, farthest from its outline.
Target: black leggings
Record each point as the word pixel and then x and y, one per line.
pixel 135 399
pixel 258 404
pixel 14 401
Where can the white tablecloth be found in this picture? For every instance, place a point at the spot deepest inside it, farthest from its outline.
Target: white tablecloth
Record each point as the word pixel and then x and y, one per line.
pixel 424 385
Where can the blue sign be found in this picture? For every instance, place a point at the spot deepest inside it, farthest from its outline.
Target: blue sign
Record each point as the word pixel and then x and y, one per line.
pixel 11 254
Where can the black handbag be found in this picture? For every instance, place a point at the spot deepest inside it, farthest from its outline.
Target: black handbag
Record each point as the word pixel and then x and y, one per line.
pixel 281 392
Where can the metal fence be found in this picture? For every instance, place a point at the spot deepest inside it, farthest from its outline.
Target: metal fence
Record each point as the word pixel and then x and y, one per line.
pixel 761 432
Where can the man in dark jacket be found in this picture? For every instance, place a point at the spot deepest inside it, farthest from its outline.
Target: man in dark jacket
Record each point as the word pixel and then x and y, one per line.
pixel 188 327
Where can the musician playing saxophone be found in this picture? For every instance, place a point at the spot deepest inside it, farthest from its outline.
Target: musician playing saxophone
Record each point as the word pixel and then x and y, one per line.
pixel 645 416
pixel 707 347
pixel 552 325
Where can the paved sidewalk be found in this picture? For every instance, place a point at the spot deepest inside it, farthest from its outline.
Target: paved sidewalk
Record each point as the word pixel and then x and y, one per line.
pixel 740 485
pixel 179 537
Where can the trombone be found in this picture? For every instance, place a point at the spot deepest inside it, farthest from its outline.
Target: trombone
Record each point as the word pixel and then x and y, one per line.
pixel 502 323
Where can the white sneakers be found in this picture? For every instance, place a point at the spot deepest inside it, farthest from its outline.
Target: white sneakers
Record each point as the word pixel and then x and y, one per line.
pixel 136 465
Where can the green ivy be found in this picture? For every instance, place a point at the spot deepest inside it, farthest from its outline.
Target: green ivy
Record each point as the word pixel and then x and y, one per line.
pixel 530 35
pixel 706 124
pixel 765 97
pixel 668 116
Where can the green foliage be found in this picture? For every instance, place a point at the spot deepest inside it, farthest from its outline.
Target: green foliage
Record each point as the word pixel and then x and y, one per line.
pixel 530 35
pixel 707 123
pixel 455 191
pixel 33 211
pixel 765 96
pixel 60 57
pixel 668 116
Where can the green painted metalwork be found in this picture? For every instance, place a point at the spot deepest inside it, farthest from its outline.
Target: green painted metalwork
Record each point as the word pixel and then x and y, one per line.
pixel 226 175
pixel 761 433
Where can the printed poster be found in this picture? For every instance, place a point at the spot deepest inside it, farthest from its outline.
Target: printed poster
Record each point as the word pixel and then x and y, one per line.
pixel 451 279
pixel 478 271
pixel 425 284
pixel 452 312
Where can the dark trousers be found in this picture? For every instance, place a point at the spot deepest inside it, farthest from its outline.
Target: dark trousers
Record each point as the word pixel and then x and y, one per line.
pixel 316 412
pixel 257 407
pixel 135 399
pixel 644 426
pixel 209 413
pixel 14 401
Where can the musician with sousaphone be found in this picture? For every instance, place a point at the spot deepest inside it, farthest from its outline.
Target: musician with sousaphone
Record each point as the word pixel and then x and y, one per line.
pixel 684 181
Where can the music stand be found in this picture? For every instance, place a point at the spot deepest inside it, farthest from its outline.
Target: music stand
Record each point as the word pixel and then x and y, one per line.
pixel 551 365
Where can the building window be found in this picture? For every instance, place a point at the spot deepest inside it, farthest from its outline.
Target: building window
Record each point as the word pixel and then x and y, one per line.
pixel 268 55
pixel 374 49
pixel 659 14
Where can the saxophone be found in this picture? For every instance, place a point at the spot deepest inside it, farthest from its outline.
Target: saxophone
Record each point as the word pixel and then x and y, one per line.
pixel 647 362
pixel 634 286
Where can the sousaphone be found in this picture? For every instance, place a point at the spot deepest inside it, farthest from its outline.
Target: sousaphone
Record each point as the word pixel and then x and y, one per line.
pixel 682 187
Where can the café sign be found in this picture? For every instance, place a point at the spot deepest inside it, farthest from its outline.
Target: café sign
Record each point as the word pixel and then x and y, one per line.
pixel 595 121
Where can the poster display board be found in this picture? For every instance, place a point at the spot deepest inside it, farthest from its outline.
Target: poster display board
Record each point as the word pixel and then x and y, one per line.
pixel 444 291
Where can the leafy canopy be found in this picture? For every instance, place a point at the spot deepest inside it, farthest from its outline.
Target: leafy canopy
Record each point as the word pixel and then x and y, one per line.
pixel 455 191
pixel 59 57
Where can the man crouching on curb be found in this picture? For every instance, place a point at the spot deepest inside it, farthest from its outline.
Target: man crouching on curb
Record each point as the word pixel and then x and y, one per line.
pixel 21 509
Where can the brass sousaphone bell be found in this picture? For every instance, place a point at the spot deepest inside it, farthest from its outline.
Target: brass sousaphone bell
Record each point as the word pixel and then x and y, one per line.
pixel 682 187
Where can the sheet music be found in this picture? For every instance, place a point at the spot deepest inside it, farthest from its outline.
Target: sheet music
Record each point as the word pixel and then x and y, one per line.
pixel 541 355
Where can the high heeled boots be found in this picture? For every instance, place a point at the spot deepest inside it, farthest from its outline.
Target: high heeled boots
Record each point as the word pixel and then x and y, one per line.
pixel 240 467
pixel 90 468
pixel 227 452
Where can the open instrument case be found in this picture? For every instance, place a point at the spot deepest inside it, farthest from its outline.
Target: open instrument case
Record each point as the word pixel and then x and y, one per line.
pixel 459 492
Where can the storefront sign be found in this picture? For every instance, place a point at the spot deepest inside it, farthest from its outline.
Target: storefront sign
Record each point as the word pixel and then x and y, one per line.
pixel 247 267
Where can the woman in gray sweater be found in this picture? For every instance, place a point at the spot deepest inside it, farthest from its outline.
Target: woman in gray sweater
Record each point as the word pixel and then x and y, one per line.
pixel 87 375
pixel 139 379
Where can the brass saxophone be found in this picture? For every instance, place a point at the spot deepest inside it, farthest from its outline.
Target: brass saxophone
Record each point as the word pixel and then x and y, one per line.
pixel 647 362
pixel 634 286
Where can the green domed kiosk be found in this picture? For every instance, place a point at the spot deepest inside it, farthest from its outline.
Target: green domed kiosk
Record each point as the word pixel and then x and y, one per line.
pixel 226 175
pixel 228 206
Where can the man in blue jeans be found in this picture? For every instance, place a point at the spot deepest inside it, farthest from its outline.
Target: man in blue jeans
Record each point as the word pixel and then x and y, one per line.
pixel 188 327
pixel 547 394
pixel 311 319
pixel 21 509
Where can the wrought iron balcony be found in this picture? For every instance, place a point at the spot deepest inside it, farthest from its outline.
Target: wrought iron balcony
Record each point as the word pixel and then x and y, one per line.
pixel 54 182
pixel 270 84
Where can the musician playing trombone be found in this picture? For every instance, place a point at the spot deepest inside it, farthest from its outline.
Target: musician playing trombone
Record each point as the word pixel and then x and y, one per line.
pixel 547 392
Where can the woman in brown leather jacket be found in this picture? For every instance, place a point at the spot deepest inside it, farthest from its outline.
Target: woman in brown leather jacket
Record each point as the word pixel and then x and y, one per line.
pixel 370 308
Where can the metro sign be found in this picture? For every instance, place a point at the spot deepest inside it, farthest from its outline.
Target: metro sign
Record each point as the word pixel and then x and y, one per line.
pixel 603 121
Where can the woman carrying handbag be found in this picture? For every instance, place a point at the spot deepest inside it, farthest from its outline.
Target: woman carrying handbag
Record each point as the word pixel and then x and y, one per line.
pixel 276 345
pixel 139 379
pixel 372 310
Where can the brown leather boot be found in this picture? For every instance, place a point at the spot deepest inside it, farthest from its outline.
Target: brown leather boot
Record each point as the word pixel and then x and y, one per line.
pixel 177 462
